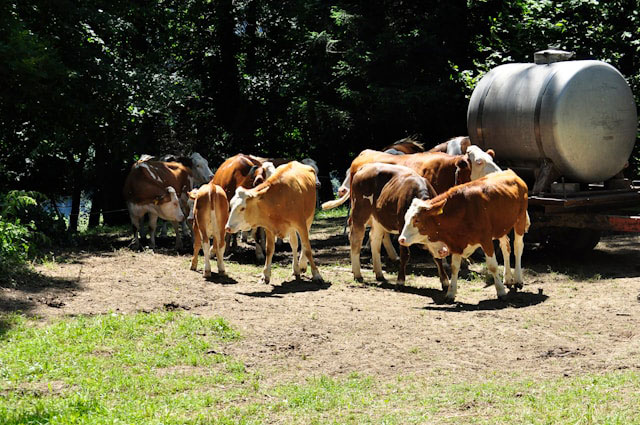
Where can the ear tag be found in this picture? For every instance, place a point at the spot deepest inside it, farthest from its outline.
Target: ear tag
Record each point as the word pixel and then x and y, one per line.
pixel 440 211
pixel 155 202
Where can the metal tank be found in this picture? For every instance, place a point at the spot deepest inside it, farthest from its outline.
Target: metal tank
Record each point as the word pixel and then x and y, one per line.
pixel 576 117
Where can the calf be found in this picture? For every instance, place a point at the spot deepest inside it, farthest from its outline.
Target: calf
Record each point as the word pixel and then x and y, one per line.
pixel 381 194
pixel 155 188
pixel 469 216
pixel 284 205
pixel 210 214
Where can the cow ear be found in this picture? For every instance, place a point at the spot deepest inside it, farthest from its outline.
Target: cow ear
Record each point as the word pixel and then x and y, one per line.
pixel 464 144
pixel 463 162
pixel 491 153
pixel 436 208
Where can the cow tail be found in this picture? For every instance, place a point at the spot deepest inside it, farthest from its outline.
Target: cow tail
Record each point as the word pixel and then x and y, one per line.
pixel 334 204
pixel 528 223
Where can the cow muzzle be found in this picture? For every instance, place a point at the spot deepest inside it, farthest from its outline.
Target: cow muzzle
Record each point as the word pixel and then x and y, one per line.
pixel 402 241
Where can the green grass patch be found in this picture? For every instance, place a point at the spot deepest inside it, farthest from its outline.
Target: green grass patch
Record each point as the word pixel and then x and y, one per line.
pixel 168 368
pixel 341 211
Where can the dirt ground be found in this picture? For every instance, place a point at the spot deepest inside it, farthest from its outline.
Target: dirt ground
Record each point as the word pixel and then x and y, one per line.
pixel 574 315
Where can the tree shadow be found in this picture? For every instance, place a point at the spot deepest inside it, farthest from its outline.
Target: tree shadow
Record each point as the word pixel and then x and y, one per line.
pixel 24 290
pixel 290 287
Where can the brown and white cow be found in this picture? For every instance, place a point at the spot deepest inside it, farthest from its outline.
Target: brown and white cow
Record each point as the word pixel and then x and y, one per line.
pixel 382 194
pixel 155 188
pixel 455 146
pixel 210 215
pixel 284 205
pixel 469 216
pixel 404 146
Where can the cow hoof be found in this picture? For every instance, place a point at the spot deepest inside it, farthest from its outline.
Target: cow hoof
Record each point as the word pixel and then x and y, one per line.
pixel 400 282
pixel 317 279
pixel 519 285
pixel 358 279
pixel 449 300
pixel 264 280
pixel 222 273
pixel 380 278
pixel 207 274
pixel 502 297
pixel 194 267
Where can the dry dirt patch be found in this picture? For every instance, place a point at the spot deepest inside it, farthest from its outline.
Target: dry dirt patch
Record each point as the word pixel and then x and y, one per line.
pixel 574 316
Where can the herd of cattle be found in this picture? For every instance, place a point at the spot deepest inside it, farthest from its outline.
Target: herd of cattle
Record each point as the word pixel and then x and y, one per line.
pixel 451 200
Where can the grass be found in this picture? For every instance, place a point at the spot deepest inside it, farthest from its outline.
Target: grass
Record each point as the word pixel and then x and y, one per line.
pixel 341 211
pixel 169 368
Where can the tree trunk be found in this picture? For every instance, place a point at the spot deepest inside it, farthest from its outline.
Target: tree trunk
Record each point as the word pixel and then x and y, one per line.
pixel 75 207
pixel 96 204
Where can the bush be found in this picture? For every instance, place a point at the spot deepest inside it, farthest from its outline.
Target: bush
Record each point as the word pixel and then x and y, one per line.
pixel 14 245
pixel 26 227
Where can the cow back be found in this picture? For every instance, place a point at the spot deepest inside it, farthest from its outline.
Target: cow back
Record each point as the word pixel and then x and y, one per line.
pixel 149 179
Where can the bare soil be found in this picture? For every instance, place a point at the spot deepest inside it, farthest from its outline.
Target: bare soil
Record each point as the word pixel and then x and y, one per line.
pixel 575 315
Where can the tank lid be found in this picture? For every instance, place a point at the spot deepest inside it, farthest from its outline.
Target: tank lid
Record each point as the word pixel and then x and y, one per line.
pixel 544 57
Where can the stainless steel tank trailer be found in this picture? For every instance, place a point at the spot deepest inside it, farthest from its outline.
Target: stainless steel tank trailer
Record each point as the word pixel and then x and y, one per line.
pixel 568 127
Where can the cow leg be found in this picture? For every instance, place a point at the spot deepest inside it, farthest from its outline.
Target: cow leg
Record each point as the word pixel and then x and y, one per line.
pixel 259 238
pixel 492 266
pixel 356 234
pixel 303 260
pixel 266 272
pixel 135 226
pixel 293 241
pixel 153 222
pixel 218 242
pixel 206 253
pixel 388 246
pixel 442 273
pixel 518 247
pixel 375 235
pixel 163 229
pixel 456 259
pixel 505 247
pixel 404 258
pixel 197 242
pixel 176 228
pixel 306 246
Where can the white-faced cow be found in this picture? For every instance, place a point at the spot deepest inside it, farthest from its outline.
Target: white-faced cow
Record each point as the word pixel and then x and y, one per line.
pixel 155 188
pixel 284 205
pixel 469 216
pixel 455 146
pixel 210 215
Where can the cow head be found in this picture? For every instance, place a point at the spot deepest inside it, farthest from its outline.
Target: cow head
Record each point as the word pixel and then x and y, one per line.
pixel 463 170
pixel 481 162
pixel 201 172
pixel 169 205
pixel 243 210
pixel 418 223
pixel 262 173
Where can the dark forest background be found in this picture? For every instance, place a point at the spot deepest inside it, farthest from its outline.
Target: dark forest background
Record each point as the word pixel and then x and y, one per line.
pixel 89 85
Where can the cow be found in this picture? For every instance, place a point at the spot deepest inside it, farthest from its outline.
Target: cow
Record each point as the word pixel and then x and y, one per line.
pixel 381 194
pixel 455 146
pixel 481 162
pixel 201 174
pixel 245 171
pixel 469 216
pixel 155 188
pixel 441 170
pixel 284 205
pixel 210 215
pixel 405 146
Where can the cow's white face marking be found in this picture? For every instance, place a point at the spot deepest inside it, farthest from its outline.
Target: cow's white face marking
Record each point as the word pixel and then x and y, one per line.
pixel 201 171
pixel 481 162
pixel 237 219
pixel 369 198
pixel 171 210
pixel 410 234
pixel 269 169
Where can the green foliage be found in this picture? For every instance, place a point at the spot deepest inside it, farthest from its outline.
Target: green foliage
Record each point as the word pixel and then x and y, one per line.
pixel 14 245
pixel 26 227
